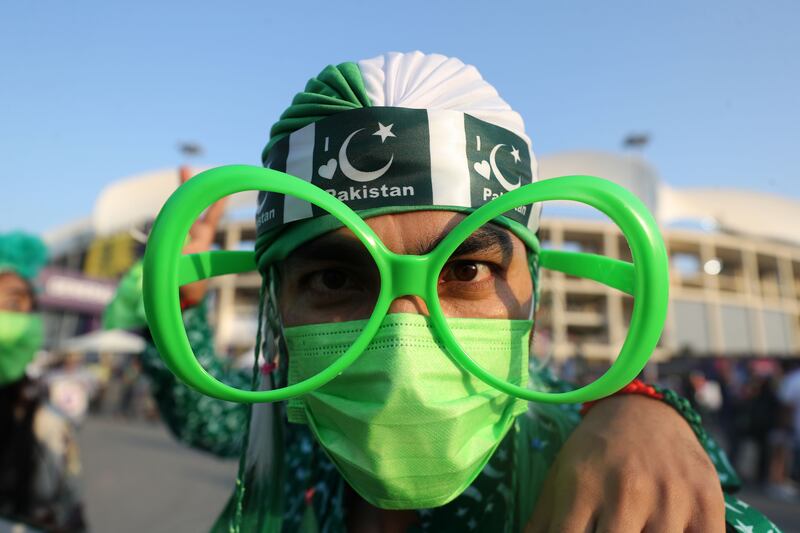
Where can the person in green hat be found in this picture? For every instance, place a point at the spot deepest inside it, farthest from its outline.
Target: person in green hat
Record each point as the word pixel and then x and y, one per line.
pixel 39 460
pixel 403 440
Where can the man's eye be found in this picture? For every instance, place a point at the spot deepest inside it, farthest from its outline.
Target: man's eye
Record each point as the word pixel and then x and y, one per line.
pixel 467 271
pixel 330 279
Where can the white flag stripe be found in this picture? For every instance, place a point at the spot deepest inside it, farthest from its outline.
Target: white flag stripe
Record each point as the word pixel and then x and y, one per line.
pixel 450 180
pixel 434 81
pixel 300 163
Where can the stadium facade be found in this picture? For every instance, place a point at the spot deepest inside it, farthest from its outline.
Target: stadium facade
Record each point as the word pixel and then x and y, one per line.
pixel 734 266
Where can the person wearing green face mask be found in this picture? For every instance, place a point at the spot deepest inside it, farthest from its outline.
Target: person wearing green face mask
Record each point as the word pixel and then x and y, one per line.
pixel 404 439
pixel 39 461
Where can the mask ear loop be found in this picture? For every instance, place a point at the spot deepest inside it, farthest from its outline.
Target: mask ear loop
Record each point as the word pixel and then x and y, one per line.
pixel 535 270
pixel 240 489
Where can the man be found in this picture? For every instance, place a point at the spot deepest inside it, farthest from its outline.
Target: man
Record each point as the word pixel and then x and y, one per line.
pixel 789 393
pixel 412 142
pixel 39 460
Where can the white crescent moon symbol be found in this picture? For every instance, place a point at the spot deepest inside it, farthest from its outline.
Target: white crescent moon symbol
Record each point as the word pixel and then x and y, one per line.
pixel 502 179
pixel 353 173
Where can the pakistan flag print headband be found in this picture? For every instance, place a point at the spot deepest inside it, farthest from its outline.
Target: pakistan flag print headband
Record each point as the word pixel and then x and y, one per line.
pixel 392 157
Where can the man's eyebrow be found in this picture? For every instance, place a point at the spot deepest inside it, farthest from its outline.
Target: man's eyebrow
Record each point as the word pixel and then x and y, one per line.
pixel 485 239
pixel 332 247
pixel 337 247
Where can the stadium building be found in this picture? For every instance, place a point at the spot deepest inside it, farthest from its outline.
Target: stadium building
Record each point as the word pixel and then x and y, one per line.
pixel 734 266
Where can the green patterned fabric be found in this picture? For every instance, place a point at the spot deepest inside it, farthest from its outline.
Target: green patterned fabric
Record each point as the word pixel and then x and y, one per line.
pixel 126 309
pixel 501 498
pixel 198 420
pixel 336 88
pixel 741 518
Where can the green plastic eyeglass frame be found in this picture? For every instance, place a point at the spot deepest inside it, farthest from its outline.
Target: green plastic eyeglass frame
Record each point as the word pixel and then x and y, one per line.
pixel 166 269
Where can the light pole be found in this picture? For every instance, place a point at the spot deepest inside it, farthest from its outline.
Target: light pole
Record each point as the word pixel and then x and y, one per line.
pixel 636 140
pixel 188 149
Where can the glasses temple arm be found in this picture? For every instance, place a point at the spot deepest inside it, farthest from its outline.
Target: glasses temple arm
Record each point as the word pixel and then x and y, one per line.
pixel 612 272
pixel 195 267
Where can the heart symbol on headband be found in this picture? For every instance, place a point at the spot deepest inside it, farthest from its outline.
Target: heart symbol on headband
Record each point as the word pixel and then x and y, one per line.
pixel 483 168
pixel 327 170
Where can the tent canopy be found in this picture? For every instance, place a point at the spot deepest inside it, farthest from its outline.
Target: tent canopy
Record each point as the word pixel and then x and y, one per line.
pixel 112 340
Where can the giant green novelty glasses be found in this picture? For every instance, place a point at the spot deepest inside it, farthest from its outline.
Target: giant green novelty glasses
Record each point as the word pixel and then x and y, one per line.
pixel 166 269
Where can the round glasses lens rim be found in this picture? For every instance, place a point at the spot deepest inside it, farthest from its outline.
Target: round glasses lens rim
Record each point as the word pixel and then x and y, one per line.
pixel 485 214
pixel 378 252
pixel 173 225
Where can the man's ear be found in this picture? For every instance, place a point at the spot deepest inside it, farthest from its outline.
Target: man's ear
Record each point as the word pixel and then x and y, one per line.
pixel 533 267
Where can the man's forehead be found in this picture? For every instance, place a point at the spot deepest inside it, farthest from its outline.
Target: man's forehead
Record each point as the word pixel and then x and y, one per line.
pixel 13 289
pixel 415 233
pixel 11 282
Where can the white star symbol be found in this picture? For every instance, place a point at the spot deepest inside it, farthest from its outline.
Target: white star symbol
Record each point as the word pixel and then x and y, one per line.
pixel 742 527
pixel 515 153
pixel 384 131
pixel 732 508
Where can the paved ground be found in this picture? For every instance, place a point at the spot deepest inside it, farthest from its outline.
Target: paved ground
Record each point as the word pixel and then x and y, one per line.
pixel 138 479
pixel 785 515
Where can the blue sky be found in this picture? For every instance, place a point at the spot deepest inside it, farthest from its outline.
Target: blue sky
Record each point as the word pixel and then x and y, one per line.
pixel 92 91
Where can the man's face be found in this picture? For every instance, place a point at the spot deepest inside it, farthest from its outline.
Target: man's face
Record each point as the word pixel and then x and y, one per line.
pixel 15 294
pixel 334 279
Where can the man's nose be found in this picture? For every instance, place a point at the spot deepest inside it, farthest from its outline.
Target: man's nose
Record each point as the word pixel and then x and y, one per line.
pixel 409 304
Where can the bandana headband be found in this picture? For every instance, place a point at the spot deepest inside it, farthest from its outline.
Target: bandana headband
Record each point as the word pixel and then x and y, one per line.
pixel 392 157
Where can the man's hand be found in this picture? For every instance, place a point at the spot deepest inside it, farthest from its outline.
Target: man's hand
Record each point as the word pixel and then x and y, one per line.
pixel 633 464
pixel 201 237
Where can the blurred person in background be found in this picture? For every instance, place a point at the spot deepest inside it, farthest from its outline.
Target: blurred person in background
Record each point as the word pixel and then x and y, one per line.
pixel 730 412
pixel 39 462
pixel 745 399
pixel 706 396
pixel 789 393
pixel 578 465
pixel 762 415
pixel 72 386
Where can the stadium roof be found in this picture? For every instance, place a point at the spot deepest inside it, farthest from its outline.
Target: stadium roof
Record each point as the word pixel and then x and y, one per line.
pixel 728 210
pixel 135 200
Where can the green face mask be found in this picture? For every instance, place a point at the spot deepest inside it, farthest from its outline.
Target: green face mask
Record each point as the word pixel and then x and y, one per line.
pixel 406 427
pixel 21 335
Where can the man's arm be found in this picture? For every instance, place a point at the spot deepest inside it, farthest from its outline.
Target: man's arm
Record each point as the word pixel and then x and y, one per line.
pixel 201 237
pixel 633 463
pixel 202 422
pixel 628 452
